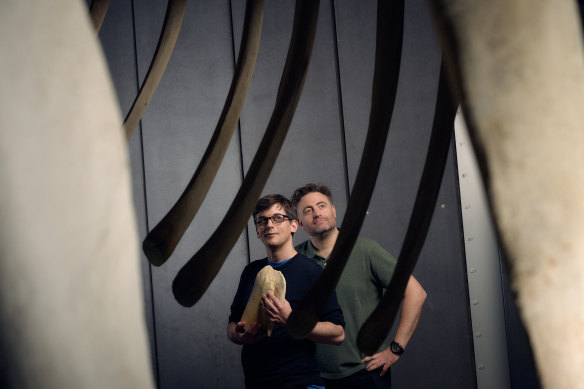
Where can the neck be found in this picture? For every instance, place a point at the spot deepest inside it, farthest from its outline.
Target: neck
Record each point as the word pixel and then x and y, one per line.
pixel 324 243
pixel 281 253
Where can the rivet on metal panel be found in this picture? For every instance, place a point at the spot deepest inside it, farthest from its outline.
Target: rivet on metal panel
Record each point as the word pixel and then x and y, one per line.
pixel 481 367
pixel 442 205
pixel 478 334
pixel 475 302
pixel 473 270
pixel 470 239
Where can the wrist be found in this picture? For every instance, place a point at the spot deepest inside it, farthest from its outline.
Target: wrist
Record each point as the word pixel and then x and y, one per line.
pixel 396 348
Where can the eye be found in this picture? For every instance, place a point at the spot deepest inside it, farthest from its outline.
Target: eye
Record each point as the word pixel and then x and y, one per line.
pixel 261 221
pixel 322 205
pixel 278 218
pixel 308 211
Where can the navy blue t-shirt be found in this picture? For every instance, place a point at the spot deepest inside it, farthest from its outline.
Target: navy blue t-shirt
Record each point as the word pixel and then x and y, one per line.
pixel 281 358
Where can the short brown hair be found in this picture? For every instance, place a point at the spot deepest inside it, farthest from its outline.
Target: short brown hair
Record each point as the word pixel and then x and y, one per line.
pixel 268 201
pixel 310 188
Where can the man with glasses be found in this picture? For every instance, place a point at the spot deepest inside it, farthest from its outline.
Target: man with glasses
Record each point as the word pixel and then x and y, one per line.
pixel 280 361
pixel 368 270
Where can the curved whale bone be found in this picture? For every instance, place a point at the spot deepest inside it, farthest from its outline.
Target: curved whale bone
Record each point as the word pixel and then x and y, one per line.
pixel 390 17
pixel 519 67
pixel 175 11
pixel 161 241
pixel 97 11
pixel 375 329
pixel 198 273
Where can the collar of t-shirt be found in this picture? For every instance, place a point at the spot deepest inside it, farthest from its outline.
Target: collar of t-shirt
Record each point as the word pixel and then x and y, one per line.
pixel 276 265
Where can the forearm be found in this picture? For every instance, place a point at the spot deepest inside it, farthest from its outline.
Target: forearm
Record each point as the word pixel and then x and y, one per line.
pixel 278 312
pixel 325 332
pixel 411 311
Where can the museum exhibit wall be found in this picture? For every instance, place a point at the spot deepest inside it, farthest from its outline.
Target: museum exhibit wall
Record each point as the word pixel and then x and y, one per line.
pixel 324 145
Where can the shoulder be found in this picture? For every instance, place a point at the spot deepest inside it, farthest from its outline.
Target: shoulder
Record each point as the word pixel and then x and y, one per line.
pixel 371 249
pixel 301 260
pixel 366 244
pixel 259 263
pixel 302 268
pixel 255 266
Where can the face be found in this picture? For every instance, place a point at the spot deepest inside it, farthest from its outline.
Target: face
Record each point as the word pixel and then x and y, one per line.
pixel 317 215
pixel 274 234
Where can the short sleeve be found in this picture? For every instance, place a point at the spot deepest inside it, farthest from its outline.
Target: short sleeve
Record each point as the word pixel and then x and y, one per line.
pixel 382 262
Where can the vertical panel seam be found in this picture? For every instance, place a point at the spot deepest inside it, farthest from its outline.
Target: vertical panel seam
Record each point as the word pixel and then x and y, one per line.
pixel 240 143
pixel 145 194
pixel 340 98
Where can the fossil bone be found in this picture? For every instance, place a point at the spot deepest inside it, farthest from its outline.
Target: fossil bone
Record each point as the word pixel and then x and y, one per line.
pixel 164 237
pixel 175 12
pixel 97 12
pixel 268 279
pixel 519 69
pixel 71 297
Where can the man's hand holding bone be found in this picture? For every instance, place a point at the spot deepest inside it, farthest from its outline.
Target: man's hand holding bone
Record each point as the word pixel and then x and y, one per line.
pixel 275 310
pixel 254 333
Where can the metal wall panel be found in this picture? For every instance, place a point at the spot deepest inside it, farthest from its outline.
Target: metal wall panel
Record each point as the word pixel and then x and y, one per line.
pixel 176 128
pixel 324 144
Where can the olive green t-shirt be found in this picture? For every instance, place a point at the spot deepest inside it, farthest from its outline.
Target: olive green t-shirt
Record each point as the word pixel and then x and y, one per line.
pixel 368 271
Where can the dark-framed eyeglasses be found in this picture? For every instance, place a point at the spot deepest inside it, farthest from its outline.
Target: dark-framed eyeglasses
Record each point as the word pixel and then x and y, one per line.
pixel 276 219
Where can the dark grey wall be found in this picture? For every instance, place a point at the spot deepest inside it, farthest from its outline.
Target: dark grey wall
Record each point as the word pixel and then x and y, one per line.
pixel 324 144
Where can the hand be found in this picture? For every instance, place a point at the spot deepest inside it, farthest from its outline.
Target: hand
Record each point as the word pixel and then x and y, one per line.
pixel 254 333
pixel 381 360
pixel 275 310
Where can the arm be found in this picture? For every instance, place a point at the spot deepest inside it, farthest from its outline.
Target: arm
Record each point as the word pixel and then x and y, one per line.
pixel 411 311
pixel 414 297
pixel 238 335
pixel 278 312
pixel 325 332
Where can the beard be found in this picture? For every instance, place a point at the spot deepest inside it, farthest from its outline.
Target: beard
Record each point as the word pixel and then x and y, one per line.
pixel 322 228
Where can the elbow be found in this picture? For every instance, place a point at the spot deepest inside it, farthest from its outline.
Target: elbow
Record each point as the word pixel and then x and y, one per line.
pixel 423 296
pixel 333 334
pixel 419 298
pixel 339 338
pixel 415 292
pixel 231 333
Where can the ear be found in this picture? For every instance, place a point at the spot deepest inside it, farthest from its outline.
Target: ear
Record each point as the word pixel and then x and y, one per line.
pixel 334 211
pixel 294 225
pixel 257 232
